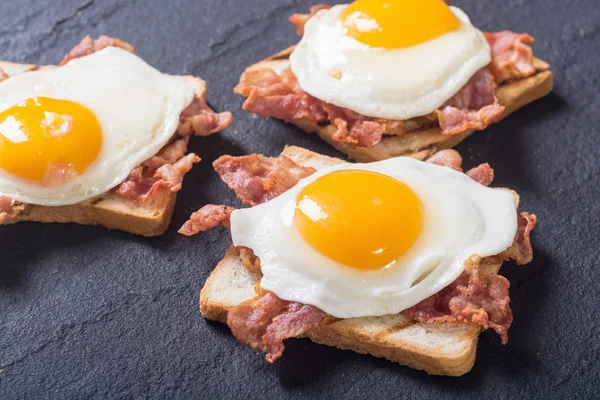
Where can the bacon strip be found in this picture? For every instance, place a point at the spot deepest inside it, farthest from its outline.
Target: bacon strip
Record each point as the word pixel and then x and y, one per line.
pixel 447 158
pixel 279 96
pixel 483 174
pixel 477 296
pixel 521 250
pixel 353 128
pixel 88 46
pixel 265 321
pixel 475 106
pixel 166 169
pixel 511 57
pixel 200 120
pixel 257 179
pixel 207 218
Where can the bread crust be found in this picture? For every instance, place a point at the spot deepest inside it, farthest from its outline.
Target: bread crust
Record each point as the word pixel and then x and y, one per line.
pixel 110 211
pixel 438 349
pixel 420 144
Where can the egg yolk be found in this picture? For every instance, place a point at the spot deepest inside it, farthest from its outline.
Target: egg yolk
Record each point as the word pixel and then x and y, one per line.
pixel 48 141
pixel 394 24
pixel 362 219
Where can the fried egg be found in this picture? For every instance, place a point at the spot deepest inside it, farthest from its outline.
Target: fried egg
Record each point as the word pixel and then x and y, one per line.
pixel 374 239
pixel 392 59
pixel 72 133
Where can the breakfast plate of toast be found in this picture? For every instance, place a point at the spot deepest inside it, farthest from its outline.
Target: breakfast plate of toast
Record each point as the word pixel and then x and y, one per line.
pixel 366 199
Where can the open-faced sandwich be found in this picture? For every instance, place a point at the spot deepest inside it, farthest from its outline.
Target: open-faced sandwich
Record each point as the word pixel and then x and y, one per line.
pixel 398 258
pixel 100 140
pixel 384 78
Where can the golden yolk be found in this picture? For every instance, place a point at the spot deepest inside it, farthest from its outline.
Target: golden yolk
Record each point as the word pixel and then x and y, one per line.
pixel 361 219
pixel 394 24
pixel 43 138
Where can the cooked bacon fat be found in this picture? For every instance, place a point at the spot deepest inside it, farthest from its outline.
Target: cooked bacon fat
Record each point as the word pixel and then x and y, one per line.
pixel 265 321
pixel 207 218
pixel 257 179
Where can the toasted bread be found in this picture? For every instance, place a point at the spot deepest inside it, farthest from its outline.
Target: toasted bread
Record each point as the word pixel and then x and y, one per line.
pixel 114 212
pixel 420 144
pixel 438 349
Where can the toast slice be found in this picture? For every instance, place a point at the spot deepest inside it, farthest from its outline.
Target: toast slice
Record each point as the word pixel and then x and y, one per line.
pixel 438 349
pixel 110 211
pixel 420 144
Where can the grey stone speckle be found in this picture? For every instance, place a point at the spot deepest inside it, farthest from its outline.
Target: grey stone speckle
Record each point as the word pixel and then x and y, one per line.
pixel 89 313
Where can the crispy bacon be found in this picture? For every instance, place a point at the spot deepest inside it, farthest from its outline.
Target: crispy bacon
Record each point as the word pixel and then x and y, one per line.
pixel 166 169
pixel 207 218
pixel 257 179
pixel 353 128
pixel 200 120
pixel 475 106
pixel 265 321
pixel 279 96
pixel 511 57
pixel 521 250
pixel 476 296
pixel 483 174
pixel 447 158
pixel 171 175
pixel 88 46
pixel 299 20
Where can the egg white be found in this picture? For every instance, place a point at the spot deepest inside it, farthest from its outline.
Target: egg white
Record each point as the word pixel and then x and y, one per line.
pixel 461 218
pixel 138 109
pixel 395 84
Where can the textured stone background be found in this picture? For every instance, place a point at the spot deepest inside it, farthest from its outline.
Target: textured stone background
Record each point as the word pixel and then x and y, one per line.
pixel 85 312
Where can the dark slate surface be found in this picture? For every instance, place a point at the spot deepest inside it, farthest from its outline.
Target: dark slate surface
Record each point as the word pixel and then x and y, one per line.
pixel 85 312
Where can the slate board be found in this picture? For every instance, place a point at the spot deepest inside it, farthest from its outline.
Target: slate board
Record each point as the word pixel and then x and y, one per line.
pixel 85 312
